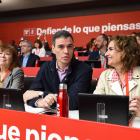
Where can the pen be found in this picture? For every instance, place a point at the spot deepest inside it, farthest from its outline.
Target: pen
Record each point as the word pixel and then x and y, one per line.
pixel 131 100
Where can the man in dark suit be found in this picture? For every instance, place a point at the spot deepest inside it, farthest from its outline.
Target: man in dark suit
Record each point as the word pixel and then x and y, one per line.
pixel 64 69
pixel 102 43
pixel 27 59
pixel 12 43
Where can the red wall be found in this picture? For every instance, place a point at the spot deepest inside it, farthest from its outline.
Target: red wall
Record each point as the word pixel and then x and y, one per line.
pixel 111 24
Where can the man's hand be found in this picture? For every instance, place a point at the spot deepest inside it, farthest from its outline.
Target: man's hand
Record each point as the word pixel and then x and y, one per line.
pixel 47 101
pixel 30 94
pixel 135 105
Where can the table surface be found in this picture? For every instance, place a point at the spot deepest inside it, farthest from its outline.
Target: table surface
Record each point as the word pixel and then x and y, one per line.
pixel 74 114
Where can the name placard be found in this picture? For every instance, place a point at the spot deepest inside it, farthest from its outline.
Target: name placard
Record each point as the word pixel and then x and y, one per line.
pixel 16 125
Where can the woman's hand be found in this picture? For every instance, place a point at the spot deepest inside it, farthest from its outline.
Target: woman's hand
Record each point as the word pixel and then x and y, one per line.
pixel 45 38
pixel 135 105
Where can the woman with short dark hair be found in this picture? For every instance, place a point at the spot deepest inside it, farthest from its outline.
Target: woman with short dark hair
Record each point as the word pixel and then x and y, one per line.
pixel 123 77
pixel 11 75
pixel 38 50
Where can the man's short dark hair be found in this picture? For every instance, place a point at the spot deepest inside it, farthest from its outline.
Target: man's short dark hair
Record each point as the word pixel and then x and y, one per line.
pixel 110 36
pixel 105 37
pixel 13 41
pixel 138 34
pixel 60 34
pixel 134 33
pixel 39 42
pixel 93 39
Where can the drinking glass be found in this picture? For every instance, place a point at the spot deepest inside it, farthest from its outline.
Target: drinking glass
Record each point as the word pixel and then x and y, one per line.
pixel 6 101
pixel 101 112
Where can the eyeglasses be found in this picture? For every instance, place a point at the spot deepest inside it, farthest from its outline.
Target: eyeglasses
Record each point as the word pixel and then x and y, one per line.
pixel 24 46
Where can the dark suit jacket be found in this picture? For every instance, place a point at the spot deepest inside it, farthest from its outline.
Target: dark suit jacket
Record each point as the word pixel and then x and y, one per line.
pixel 16 48
pixel 95 56
pixel 78 79
pixel 31 60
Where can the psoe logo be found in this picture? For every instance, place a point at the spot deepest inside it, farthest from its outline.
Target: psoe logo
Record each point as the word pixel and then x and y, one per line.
pixel 29 32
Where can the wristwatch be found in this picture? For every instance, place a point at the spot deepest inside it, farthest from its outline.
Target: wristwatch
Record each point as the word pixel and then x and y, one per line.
pixel 41 93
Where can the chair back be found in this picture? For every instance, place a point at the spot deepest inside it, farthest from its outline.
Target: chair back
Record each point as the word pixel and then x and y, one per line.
pixel 82 53
pixel 83 58
pixel 78 49
pixel 30 71
pixel 46 58
pixel 49 53
pixel 41 62
pixel 97 72
pixel 27 82
pixel 93 86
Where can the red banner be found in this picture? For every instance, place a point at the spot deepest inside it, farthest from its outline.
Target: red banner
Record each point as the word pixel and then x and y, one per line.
pixel 16 125
pixel 83 28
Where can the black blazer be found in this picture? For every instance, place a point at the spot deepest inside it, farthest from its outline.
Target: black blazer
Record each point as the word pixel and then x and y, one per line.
pixel 95 56
pixel 78 79
pixel 31 60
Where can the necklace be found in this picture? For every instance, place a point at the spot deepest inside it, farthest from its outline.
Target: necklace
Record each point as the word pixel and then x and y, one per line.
pixel 1 81
pixel 37 51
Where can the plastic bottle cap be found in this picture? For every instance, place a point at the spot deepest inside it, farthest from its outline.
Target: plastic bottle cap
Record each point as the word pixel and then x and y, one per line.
pixel 62 86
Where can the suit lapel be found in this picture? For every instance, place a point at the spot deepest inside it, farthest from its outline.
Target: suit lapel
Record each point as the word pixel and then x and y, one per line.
pixel 115 86
pixel 55 76
pixel 98 57
pixel 21 60
pixel 132 84
pixel 7 79
pixel 28 62
pixel 136 75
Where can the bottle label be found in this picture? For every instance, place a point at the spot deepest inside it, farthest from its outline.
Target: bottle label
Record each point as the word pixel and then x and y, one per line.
pixel 58 110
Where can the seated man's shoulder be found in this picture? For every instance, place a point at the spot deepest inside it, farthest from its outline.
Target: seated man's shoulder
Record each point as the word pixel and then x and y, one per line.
pixel 35 56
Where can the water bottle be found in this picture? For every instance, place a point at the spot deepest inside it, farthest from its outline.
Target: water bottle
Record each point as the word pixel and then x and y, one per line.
pixel 76 54
pixel 36 63
pixel 62 101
